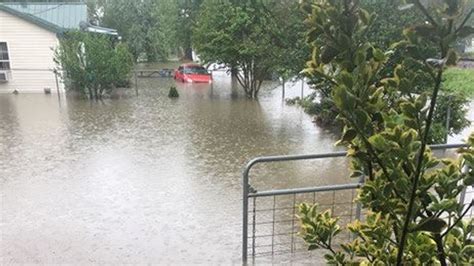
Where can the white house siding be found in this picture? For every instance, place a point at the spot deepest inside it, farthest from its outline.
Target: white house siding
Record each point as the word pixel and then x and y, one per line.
pixel 31 54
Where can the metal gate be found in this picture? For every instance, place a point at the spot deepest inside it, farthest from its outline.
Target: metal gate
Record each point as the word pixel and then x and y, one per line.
pixel 272 212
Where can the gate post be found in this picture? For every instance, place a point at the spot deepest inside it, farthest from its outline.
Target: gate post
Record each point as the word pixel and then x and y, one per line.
pixel 359 206
pixel 462 196
pixel 245 223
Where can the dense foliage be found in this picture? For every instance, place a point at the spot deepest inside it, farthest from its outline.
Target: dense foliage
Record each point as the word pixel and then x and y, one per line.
pixel 154 30
pixel 412 215
pixel 187 16
pixel 91 64
pixel 253 38
pixel 387 28
pixel 148 27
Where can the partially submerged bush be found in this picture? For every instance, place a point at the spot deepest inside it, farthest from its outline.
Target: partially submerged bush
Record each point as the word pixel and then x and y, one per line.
pixel 173 93
pixel 91 65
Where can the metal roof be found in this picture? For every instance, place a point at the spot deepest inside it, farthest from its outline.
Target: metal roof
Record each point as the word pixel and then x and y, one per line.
pixel 54 16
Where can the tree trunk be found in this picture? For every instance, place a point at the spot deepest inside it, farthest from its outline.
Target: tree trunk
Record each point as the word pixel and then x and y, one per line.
pixel 283 90
pixel 188 54
pixel 90 94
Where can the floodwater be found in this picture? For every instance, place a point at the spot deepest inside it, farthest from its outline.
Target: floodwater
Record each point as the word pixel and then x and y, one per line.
pixel 146 179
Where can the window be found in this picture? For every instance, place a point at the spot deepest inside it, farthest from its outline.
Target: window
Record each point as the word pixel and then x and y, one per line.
pixel 4 57
pixel 195 70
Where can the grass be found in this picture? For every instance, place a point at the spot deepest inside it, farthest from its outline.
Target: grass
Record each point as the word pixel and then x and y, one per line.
pixel 460 79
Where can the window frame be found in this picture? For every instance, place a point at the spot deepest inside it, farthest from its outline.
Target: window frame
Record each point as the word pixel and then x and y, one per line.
pixel 9 60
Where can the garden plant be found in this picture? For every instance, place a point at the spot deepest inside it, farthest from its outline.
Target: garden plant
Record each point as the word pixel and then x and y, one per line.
pixel 412 214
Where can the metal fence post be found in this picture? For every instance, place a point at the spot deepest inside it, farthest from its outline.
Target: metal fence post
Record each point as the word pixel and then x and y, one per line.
pixel 302 88
pixel 448 118
pixel 358 213
pixel 462 196
pixel 57 83
pixel 136 83
pixel 283 91
pixel 245 223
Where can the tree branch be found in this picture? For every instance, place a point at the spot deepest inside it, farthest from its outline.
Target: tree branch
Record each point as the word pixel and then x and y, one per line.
pixel 425 12
pixel 419 164
pixel 374 154
pixel 439 246
pixel 458 220
pixel 465 20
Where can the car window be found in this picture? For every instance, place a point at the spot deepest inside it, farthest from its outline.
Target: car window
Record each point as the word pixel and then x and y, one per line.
pixel 180 69
pixel 195 70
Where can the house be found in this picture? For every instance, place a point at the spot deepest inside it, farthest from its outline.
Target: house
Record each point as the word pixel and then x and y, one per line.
pixel 29 33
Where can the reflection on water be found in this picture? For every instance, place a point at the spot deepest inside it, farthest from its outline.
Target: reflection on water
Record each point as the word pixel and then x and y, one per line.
pixel 145 179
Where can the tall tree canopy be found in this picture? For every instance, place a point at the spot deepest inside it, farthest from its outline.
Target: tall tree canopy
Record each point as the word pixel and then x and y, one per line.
pixel 188 11
pixel 149 27
pixel 254 38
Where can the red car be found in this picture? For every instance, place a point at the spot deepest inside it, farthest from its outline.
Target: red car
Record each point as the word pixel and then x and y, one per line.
pixel 192 73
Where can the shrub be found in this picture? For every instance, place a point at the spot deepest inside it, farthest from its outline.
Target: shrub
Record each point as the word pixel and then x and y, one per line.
pixel 410 198
pixel 91 65
pixel 173 93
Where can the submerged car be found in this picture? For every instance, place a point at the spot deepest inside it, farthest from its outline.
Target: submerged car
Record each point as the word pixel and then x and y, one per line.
pixel 192 73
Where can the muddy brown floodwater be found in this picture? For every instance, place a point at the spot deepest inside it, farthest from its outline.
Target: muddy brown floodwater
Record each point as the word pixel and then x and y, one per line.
pixel 145 179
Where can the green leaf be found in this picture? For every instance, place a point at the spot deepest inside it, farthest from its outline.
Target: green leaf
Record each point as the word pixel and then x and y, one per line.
pixel 378 55
pixel 378 118
pixel 356 173
pixel 360 57
pixel 444 205
pixel 469 180
pixel 377 141
pixel 408 109
pixel 328 54
pixel 364 16
pixel 434 225
pixel 420 102
pixel 346 79
pixel 349 135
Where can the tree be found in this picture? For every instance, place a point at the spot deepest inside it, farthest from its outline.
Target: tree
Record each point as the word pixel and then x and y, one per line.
pixel 290 32
pixel 188 11
pixel 148 27
pixel 412 212
pixel 91 65
pixel 250 37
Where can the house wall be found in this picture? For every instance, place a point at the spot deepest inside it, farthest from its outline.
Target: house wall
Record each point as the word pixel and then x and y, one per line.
pixel 31 55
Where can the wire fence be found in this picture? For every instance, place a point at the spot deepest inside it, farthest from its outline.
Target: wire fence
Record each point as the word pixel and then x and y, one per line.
pixel 273 222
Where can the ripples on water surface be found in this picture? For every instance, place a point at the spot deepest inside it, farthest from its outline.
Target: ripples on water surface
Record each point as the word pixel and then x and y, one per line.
pixel 145 179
